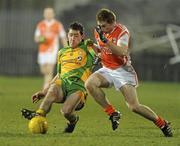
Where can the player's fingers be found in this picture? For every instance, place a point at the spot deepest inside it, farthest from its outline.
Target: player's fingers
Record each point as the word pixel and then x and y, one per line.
pixel 36 97
pixel 98 29
pixel 35 100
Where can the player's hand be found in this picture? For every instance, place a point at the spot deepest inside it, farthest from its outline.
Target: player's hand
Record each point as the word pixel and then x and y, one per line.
pixel 37 96
pixel 89 42
pixel 96 60
pixel 101 35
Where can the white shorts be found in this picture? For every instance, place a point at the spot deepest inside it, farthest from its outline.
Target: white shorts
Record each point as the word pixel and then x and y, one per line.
pixel 120 76
pixel 47 58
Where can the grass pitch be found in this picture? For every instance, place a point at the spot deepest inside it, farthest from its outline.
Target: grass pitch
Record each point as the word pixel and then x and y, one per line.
pixel 94 128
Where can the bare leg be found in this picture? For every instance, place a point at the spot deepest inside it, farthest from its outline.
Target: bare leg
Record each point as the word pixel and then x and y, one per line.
pixel 70 104
pixel 47 71
pixel 68 109
pixel 93 85
pixel 54 94
pixel 130 95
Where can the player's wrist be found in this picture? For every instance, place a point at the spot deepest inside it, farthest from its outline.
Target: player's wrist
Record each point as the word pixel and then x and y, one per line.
pixel 105 40
pixel 89 42
pixel 101 34
pixel 44 91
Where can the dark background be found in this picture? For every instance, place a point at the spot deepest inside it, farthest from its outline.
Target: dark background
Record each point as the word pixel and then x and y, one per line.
pixel 147 20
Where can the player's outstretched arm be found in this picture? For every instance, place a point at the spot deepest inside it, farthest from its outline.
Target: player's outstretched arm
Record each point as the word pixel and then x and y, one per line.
pixel 41 94
pixel 94 46
pixel 37 96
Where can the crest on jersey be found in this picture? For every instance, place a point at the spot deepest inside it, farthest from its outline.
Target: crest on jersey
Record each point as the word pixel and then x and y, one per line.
pixel 79 58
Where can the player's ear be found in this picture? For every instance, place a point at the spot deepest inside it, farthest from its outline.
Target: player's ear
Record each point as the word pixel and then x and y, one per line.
pixel 83 36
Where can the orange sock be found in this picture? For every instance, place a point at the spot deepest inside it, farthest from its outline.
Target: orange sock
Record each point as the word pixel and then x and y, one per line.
pixel 159 122
pixel 109 109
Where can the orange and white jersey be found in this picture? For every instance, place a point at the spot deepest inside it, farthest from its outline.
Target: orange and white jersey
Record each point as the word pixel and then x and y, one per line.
pixel 119 36
pixel 51 31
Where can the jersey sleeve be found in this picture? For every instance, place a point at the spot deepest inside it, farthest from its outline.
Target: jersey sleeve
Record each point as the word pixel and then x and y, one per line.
pixel 123 40
pixel 62 32
pixel 97 41
pixel 91 52
pixel 37 32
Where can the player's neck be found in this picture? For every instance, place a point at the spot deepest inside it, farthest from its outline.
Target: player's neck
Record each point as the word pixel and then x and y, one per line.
pixel 49 21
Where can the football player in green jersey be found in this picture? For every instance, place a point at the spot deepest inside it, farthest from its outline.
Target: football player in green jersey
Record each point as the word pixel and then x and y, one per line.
pixel 75 64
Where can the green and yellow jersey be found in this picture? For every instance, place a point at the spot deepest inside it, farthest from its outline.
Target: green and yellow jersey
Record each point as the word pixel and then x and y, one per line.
pixel 75 66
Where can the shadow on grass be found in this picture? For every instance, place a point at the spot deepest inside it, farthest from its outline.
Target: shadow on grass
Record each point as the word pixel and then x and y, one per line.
pixel 86 134
pixel 15 135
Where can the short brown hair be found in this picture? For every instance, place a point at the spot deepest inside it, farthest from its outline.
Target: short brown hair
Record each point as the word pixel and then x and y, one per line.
pixel 106 15
pixel 77 26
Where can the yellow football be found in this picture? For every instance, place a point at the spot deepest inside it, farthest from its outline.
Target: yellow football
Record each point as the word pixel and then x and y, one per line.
pixel 38 125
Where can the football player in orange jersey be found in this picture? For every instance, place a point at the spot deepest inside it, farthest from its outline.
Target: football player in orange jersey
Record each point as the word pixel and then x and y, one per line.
pixel 113 44
pixel 47 34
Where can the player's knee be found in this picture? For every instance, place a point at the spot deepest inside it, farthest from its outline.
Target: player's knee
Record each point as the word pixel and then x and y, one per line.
pixel 90 84
pixel 50 97
pixel 134 107
pixel 87 85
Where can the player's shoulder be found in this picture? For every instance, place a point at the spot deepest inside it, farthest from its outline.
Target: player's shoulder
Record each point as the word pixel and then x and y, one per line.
pixel 59 23
pixel 95 34
pixel 40 23
pixel 83 45
pixel 62 50
pixel 122 27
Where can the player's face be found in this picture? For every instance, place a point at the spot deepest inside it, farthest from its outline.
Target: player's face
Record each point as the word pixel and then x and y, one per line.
pixel 48 13
pixel 74 37
pixel 106 27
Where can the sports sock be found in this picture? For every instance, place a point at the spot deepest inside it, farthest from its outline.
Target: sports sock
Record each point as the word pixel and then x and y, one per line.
pixel 72 119
pixel 160 122
pixel 109 109
pixel 41 112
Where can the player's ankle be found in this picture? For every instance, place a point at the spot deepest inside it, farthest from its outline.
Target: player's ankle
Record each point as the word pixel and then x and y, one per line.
pixel 160 122
pixel 109 109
